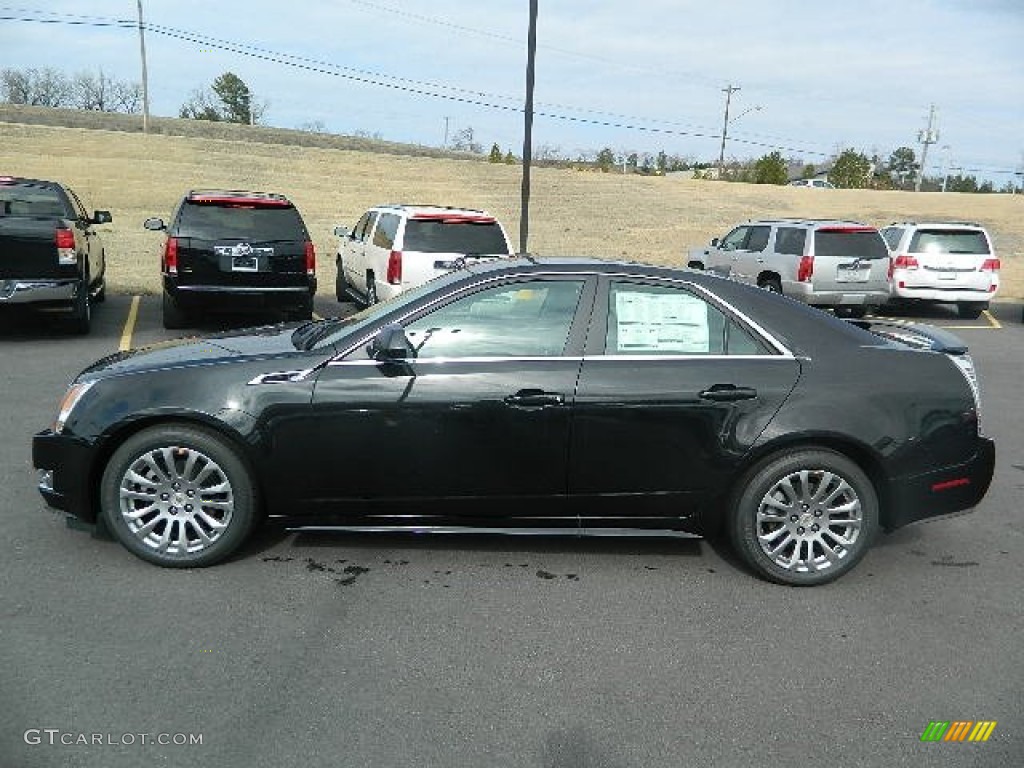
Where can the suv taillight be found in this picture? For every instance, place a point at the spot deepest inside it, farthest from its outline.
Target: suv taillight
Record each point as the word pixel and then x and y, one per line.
pixel 310 258
pixel 395 268
pixel 904 261
pixel 806 269
pixel 170 260
pixel 991 265
pixel 66 253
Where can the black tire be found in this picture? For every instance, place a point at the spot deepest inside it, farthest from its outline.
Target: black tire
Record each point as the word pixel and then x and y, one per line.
pixel 696 265
pixel 971 310
pixel 857 312
pixel 803 555
pixel 770 284
pixel 101 295
pixel 371 290
pixel 304 314
pixel 174 319
pixel 341 285
pixel 200 511
pixel 80 320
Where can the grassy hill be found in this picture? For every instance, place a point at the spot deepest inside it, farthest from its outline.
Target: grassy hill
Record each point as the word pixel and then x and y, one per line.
pixel 112 165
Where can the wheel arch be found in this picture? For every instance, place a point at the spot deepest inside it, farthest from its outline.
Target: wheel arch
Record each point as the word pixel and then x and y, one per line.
pixel 204 421
pixel 768 274
pixel 860 454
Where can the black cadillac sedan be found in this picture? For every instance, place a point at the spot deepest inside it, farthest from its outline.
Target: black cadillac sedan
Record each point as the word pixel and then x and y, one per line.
pixel 573 396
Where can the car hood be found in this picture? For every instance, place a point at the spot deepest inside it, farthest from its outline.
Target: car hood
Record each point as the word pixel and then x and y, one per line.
pixel 272 341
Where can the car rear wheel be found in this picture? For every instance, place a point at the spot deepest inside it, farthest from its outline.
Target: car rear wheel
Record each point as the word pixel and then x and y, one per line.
pixel 770 284
pixel 178 496
pixel 971 310
pixel 804 518
pixel 696 265
pixel 173 317
pixel 341 284
pixel 80 320
pixel 371 290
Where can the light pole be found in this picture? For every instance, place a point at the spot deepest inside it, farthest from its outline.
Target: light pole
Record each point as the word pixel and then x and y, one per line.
pixel 728 91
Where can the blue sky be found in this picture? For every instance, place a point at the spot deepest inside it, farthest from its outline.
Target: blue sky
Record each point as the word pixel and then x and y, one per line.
pixel 640 76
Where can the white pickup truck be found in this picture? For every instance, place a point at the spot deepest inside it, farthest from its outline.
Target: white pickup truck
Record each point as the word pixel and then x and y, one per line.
pixel 393 248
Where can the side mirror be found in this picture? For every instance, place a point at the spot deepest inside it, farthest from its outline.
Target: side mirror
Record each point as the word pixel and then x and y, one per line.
pixel 714 242
pixel 341 231
pixel 101 217
pixel 154 224
pixel 391 345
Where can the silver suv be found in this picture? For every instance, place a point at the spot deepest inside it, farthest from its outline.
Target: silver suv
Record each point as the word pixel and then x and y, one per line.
pixel 843 265
pixel 943 261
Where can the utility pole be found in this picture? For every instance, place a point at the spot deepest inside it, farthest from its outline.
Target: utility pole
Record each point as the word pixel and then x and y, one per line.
pixel 945 166
pixel 145 77
pixel 926 138
pixel 531 55
pixel 445 145
pixel 728 91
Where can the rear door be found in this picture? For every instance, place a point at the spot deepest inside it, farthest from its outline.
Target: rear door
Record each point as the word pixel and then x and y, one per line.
pixel 353 257
pixel 431 243
pixel 241 242
pixel 951 259
pixel 850 259
pixel 673 392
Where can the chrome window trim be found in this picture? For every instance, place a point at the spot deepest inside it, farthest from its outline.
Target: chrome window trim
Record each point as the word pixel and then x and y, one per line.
pixel 707 295
pixel 474 359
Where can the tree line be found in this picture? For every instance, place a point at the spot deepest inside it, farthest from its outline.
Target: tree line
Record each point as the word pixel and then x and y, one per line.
pixel 48 87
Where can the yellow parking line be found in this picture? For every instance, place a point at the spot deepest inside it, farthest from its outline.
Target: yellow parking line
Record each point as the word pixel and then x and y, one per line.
pixel 992 321
pixel 129 325
pixel 316 316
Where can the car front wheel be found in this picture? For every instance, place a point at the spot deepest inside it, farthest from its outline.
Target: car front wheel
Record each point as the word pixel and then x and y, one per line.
pixel 178 496
pixel 804 518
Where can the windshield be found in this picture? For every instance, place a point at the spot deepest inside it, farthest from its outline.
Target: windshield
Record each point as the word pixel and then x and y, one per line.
pixel 323 333
pixel 29 200
pixel 237 222
pixel 860 243
pixel 429 236
pixel 967 241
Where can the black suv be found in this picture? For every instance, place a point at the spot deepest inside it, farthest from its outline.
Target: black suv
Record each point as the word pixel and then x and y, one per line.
pixel 230 251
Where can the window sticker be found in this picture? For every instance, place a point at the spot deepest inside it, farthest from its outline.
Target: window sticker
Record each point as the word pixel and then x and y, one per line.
pixel 661 322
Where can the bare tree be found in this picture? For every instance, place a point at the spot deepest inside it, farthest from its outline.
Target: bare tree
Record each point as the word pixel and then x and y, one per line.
pixel 92 92
pixel 127 97
pixel 463 141
pixel 36 87
pixel 17 86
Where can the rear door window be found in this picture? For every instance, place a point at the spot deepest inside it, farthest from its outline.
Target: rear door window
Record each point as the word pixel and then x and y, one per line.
pixel 962 241
pixel 387 228
pixel 790 241
pixel 453 236
pixel 241 222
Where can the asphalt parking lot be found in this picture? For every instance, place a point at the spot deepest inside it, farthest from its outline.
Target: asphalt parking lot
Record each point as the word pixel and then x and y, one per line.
pixel 356 650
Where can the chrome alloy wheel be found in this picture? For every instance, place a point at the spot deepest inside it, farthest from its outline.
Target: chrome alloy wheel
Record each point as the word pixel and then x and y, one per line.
pixel 176 501
pixel 809 521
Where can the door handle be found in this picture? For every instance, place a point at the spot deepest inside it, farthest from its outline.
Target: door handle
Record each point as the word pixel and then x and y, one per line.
pixel 534 398
pixel 728 393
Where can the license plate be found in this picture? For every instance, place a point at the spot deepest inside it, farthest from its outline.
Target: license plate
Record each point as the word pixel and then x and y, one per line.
pixel 243 264
pixel 852 274
pixel 947 275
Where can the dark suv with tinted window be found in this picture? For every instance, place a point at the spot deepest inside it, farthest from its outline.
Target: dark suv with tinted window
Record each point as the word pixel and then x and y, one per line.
pixel 229 251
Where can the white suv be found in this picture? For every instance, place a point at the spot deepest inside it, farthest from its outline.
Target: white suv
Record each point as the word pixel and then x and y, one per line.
pixel 943 261
pixel 396 247
pixel 842 265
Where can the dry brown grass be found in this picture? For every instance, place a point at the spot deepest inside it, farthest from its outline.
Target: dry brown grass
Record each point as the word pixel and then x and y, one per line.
pixel 573 212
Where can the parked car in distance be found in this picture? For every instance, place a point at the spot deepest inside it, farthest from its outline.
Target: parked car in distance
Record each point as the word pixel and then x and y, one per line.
pixel 842 265
pixel 51 257
pixel 522 395
pixel 234 251
pixel 943 261
pixel 393 248
pixel 812 183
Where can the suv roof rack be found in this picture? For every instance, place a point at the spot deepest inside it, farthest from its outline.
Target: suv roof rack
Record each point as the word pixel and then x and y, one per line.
pixel 933 222
pixel 400 206
pixel 235 193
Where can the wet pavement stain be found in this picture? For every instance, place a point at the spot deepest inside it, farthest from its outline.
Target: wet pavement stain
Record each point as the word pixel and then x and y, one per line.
pixel 546 575
pixel 955 563
pixel 277 559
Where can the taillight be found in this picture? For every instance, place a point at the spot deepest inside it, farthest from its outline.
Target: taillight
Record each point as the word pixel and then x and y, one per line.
pixel 889 274
pixel 66 253
pixel 905 261
pixel 310 258
pixel 806 269
pixel 170 264
pixel 991 265
pixel 395 267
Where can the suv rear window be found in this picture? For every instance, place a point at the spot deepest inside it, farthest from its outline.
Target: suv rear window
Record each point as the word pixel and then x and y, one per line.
pixel 220 221
pixel 949 241
pixel 859 243
pixel 30 201
pixel 469 237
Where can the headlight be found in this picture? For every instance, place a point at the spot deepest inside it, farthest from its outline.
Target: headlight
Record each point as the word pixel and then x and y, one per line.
pixel 74 394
